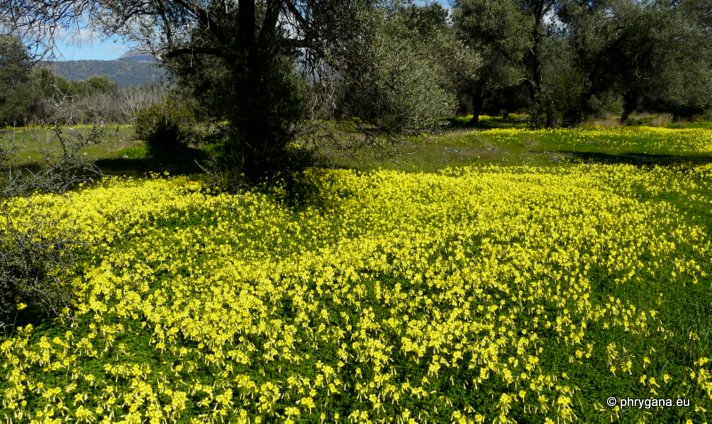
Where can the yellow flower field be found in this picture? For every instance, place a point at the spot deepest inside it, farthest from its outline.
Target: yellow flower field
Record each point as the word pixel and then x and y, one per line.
pixel 482 294
pixel 617 139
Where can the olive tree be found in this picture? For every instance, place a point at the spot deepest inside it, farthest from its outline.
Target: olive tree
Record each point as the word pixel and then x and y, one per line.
pixel 652 55
pixel 498 32
pixel 254 43
pixel 402 74
pixel 511 36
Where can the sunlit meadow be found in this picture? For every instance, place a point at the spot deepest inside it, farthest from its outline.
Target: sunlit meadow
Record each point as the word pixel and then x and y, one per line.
pixel 471 294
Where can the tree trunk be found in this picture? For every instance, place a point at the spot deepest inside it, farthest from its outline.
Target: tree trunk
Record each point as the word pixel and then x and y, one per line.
pixel 259 135
pixel 538 9
pixel 536 60
pixel 477 104
pixel 630 104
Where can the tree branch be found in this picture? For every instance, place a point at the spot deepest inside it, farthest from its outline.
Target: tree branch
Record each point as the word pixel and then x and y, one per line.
pixel 176 52
pixel 204 18
pixel 298 16
pixel 270 21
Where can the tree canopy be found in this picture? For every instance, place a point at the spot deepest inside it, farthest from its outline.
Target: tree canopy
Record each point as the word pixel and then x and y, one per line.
pixel 578 58
pixel 15 68
pixel 499 32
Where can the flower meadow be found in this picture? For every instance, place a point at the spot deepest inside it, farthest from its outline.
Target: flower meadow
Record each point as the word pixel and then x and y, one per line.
pixel 646 140
pixel 474 294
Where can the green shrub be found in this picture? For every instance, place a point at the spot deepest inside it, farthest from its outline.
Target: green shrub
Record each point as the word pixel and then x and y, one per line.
pixel 165 127
pixel 34 275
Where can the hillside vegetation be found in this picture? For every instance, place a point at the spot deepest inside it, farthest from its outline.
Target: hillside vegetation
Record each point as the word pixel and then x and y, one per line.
pixel 123 72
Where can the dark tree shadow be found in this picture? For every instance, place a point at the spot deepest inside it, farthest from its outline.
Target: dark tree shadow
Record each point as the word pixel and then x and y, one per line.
pixel 33 167
pixel 487 123
pixel 298 187
pixel 182 162
pixel 638 159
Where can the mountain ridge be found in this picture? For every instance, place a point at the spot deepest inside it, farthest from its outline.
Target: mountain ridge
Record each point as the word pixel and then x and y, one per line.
pixel 132 69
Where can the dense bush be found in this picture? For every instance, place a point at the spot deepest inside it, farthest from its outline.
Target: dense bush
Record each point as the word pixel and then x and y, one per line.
pixel 165 127
pixel 33 274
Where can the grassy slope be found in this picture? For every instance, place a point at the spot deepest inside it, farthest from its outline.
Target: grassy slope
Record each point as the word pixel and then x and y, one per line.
pixel 499 143
pixel 117 151
pixel 416 268
pixel 33 145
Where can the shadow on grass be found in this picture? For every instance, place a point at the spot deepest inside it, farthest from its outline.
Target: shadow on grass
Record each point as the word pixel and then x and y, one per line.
pixel 638 159
pixel 182 162
pixel 33 167
pixel 487 122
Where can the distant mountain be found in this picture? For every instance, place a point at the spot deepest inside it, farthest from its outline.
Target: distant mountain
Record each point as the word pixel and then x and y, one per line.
pixel 130 70
pixel 138 56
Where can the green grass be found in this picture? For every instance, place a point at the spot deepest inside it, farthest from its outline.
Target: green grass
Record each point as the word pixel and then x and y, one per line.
pixel 496 141
pixel 116 150
pixel 519 146
pixel 34 145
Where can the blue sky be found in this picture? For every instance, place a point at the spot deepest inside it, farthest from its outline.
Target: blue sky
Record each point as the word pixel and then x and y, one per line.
pixel 89 45
pixel 85 44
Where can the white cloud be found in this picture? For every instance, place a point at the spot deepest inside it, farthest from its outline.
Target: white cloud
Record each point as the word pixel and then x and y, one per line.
pixel 81 36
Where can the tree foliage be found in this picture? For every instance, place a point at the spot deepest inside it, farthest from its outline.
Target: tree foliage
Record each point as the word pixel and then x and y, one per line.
pixel 402 76
pixel 32 93
pixel 265 65
pixel 511 36
pixel 16 96
pixel 654 55
pixel 15 64
pixel 576 58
